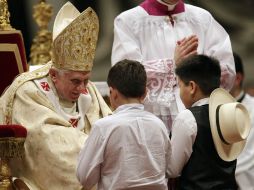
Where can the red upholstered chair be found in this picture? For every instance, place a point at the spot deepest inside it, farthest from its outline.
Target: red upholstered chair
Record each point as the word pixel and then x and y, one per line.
pixel 12 62
pixel 12 57
pixel 12 138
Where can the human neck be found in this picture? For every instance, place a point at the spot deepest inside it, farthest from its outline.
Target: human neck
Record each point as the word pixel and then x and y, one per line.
pixel 124 101
pixel 168 4
pixel 66 103
pixel 235 92
pixel 199 96
pixel 130 101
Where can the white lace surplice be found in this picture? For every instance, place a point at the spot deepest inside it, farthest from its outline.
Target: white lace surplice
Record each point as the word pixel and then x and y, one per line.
pixel 160 98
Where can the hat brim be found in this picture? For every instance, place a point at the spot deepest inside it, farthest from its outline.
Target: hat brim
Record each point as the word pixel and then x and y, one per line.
pixel 226 152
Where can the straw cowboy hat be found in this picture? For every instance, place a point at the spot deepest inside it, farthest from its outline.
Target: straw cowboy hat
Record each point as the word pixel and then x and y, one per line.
pixel 230 124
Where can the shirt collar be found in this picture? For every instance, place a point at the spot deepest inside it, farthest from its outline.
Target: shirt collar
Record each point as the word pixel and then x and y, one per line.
pixel 201 102
pixel 153 7
pixel 128 107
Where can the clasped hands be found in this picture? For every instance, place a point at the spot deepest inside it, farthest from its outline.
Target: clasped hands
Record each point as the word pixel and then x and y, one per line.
pixel 185 47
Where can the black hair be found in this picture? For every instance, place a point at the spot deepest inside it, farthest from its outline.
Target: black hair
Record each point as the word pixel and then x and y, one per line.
pixel 128 77
pixel 238 63
pixel 203 70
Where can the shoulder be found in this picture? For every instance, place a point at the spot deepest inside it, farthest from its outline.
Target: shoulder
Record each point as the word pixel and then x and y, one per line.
pixel 152 117
pixel 185 119
pixel 248 102
pixel 105 120
pixel 197 14
pixel 18 86
pixel 249 98
pixel 185 115
pixel 108 123
pixel 154 123
pixel 196 11
pixel 124 119
pixel 30 90
pixel 24 79
pixel 28 87
pixel 185 123
pixel 131 15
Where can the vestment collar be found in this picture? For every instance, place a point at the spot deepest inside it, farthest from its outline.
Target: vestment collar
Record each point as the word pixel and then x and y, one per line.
pixel 201 102
pixel 126 107
pixel 153 7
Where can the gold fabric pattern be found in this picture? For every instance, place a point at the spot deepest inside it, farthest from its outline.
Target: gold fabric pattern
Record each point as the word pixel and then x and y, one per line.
pixel 12 147
pixel 74 48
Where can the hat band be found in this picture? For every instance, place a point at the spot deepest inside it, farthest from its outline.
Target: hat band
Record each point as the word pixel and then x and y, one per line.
pixel 241 99
pixel 218 125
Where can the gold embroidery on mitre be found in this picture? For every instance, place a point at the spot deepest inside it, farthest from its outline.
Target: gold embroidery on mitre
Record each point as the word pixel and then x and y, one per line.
pixel 74 48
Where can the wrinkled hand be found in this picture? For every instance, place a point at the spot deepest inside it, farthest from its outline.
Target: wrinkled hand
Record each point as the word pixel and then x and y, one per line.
pixel 185 47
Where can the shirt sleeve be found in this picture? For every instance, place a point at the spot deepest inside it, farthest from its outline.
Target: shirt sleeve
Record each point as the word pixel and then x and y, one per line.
pixel 90 158
pixel 184 133
pixel 218 45
pixel 125 45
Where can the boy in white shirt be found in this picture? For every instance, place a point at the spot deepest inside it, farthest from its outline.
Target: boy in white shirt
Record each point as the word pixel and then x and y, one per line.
pixel 131 148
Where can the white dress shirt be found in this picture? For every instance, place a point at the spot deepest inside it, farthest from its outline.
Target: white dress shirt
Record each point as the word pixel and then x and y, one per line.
pixel 245 161
pixel 184 132
pixel 127 150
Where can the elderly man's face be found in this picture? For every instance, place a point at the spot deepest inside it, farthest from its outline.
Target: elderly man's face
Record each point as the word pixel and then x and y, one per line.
pixel 70 84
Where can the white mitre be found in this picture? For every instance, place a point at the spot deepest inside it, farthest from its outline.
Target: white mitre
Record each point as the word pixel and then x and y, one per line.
pixel 64 17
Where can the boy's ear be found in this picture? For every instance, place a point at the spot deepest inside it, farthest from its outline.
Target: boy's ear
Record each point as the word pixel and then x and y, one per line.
pixel 113 93
pixel 193 87
pixel 142 98
pixel 238 79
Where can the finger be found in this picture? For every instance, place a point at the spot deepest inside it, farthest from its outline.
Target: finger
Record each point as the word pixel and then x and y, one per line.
pixel 194 52
pixel 192 46
pixel 181 41
pixel 188 47
pixel 190 40
pixel 192 37
pixel 184 50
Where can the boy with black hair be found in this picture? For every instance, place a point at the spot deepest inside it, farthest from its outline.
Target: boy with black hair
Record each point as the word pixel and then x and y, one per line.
pixel 131 148
pixel 203 151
